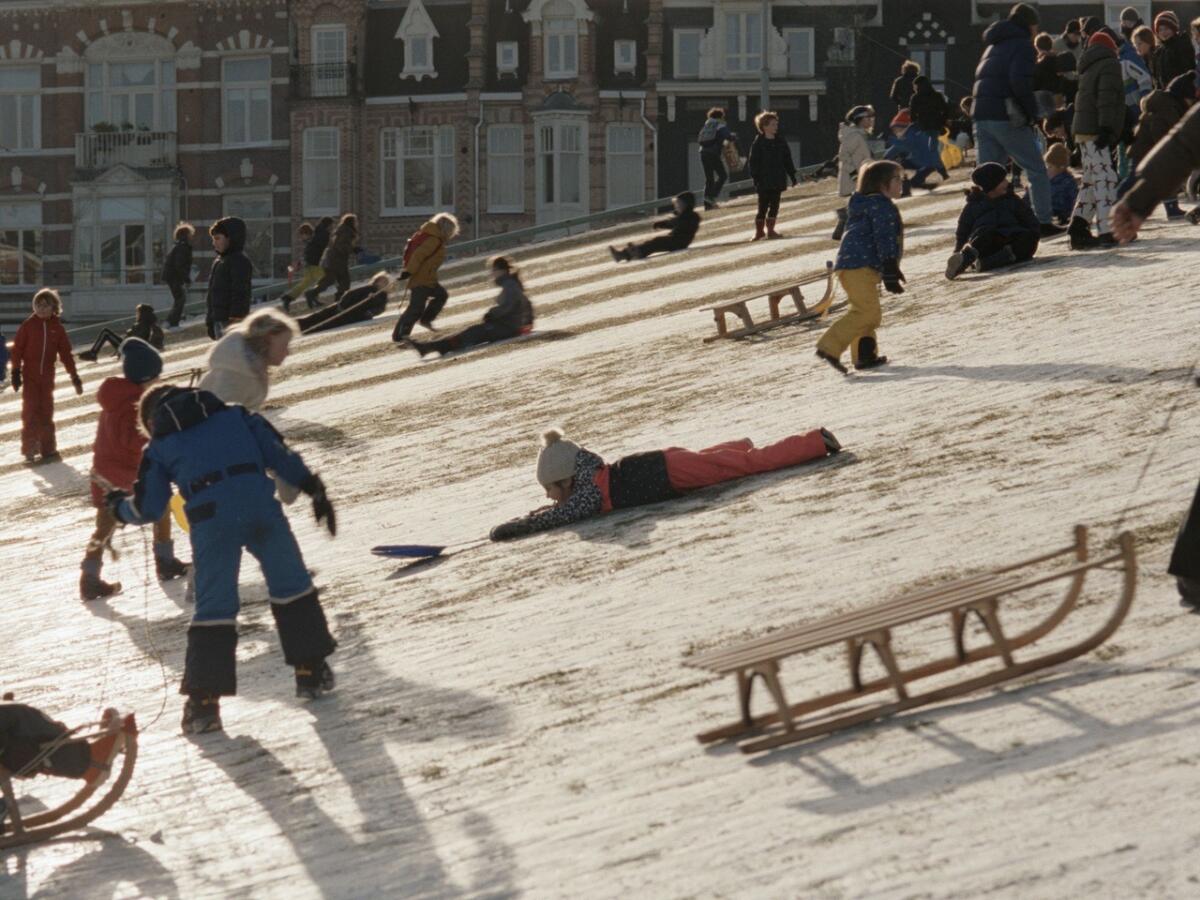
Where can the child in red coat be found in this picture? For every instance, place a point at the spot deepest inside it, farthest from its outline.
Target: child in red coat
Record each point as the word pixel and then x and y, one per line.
pixel 116 456
pixel 38 340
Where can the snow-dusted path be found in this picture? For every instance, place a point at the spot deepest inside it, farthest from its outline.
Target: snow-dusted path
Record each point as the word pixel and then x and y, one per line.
pixel 515 721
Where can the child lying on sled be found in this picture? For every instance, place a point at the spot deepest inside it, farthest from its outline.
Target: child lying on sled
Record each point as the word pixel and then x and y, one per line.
pixel 581 485
pixel 31 743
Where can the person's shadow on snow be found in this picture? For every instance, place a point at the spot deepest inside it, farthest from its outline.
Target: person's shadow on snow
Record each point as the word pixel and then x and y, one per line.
pixel 58 479
pixel 1026 373
pixel 115 865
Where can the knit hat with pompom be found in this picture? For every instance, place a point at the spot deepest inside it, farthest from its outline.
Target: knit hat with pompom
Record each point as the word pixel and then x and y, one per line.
pixel 556 462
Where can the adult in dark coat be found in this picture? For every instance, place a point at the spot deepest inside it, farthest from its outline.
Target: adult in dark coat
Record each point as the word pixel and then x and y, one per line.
pixel 771 168
pixel 903 87
pixel 177 271
pixel 1173 52
pixel 230 280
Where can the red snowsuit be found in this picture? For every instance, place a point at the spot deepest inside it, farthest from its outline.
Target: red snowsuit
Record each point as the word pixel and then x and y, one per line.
pixel 34 348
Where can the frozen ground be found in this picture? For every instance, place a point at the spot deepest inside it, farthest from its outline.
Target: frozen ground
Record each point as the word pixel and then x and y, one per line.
pixel 515 720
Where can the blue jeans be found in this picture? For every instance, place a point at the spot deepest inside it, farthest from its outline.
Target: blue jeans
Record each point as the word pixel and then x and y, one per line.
pixel 1000 141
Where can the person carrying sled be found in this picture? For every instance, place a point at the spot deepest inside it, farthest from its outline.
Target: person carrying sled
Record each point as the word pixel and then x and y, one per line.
pixel 423 257
pixel 145 327
pixel 40 338
pixel 177 272
pixel 335 260
pixel 1159 176
pixel 869 253
pixel 996 227
pixel 229 282
pixel 315 241
pixel 712 138
pixel 116 453
pixel 682 228
pixel 219 456
pixel 771 167
pixel 853 152
pixel 1099 121
pixel 511 316
pixel 581 485
pixel 360 304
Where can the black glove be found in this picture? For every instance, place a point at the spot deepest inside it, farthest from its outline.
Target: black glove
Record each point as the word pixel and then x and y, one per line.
pixel 506 531
pixel 893 278
pixel 112 500
pixel 1104 139
pixel 794 181
pixel 16 379
pixel 75 380
pixel 322 508
pixel 404 275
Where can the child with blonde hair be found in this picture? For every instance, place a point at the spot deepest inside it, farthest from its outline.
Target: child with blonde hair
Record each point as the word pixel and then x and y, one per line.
pixel 423 256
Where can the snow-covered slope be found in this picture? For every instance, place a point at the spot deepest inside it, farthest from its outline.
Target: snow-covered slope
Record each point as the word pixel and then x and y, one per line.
pixel 515 720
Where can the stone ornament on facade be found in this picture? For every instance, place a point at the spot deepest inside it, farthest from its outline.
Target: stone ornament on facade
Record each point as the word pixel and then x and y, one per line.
pixel 245 40
pixel 927 31
pixel 535 13
pixel 417 32
pixel 16 50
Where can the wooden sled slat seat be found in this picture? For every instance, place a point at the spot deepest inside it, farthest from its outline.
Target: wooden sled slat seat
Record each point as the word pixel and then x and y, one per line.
pixel 75 813
pixel 979 595
pixel 775 296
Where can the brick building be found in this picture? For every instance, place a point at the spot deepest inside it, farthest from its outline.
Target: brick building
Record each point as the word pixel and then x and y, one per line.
pixel 117 120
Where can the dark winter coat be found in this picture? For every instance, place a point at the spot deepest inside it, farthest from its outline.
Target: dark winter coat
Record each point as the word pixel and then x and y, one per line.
pixel 874 233
pixel 902 90
pixel 683 225
pixel 1174 57
pixel 229 282
pixel 23 731
pixel 315 248
pixel 146 327
pixel 1005 72
pixel 713 135
pixel 513 311
pixel 1167 166
pixel 358 305
pixel 117 450
pixel 1160 113
pixel 770 163
pixel 177 267
pixel 341 247
pixel 1046 76
pixel 1007 215
pixel 1100 100
pixel 1185 559
pixel 929 109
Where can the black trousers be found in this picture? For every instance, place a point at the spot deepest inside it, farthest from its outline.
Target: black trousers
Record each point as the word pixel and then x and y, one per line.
pixel 662 244
pixel 768 203
pixel 424 304
pixel 106 337
pixel 472 336
pixel 340 277
pixel 714 174
pixel 178 299
pixel 987 241
pixel 332 316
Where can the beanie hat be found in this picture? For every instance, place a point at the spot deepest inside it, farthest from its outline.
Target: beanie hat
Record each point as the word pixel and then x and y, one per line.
pixel 1100 39
pixel 859 113
pixel 1167 18
pixel 1023 14
pixel 902 120
pixel 989 175
pixel 1090 25
pixel 139 361
pixel 1129 14
pixel 1072 27
pixel 1183 87
pixel 1057 154
pixel 556 462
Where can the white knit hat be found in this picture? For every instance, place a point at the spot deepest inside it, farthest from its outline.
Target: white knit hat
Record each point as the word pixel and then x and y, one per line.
pixel 556 462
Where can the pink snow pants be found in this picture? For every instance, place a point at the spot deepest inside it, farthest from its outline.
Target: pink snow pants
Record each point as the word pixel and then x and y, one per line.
pixel 689 470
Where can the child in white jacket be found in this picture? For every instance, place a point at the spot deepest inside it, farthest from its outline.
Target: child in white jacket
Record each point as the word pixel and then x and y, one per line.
pixel 853 151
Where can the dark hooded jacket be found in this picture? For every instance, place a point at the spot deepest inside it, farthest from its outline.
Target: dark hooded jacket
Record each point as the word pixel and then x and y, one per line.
pixel 1160 113
pixel 1170 59
pixel 23 732
pixel 1005 72
pixel 771 164
pixel 177 267
pixel 683 226
pixel 230 280
pixel 929 108
pixel 315 248
pixel 1100 100
pixel 1006 215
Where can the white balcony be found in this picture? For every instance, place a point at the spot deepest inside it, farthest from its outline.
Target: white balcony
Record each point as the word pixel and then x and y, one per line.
pixel 138 149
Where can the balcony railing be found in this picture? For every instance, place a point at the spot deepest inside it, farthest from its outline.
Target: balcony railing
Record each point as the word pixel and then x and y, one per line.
pixel 140 149
pixel 323 80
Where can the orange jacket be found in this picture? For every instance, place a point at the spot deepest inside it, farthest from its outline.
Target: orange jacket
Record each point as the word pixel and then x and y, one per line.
pixel 35 346
pixel 427 257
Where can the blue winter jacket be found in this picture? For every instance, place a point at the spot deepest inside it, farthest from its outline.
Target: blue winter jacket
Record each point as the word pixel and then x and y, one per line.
pixel 217 454
pixel 1064 191
pixel 874 233
pixel 915 150
pixel 1006 215
pixel 1005 72
pixel 1136 74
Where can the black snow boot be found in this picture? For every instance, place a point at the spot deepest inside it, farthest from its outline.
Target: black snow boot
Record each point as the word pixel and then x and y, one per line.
pixel 619 255
pixel 906 188
pixel 89 355
pixel 1049 229
pixel 1080 235
pixel 998 260
pixel 833 361
pixel 960 261
pixel 201 714
pixel 170 569
pixel 832 444
pixel 868 354
pixel 93 587
pixel 840 229
pixel 1189 593
pixel 314 679
pixel 1107 240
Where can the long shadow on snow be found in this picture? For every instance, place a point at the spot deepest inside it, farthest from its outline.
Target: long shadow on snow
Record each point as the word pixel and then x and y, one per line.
pixel 1027 373
pixel 975 763
pixel 391 849
pixel 114 863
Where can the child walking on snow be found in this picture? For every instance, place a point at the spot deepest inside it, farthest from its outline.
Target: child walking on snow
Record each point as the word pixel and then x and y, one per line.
pixel 996 228
pixel 870 252
pixel 177 272
pixel 219 457
pixel 853 153
pixel 40 338
pixel 116 454
pixel 315 241
pixel 771 167
pixel 682 227
pixel 581 485
pixel 1099 122
pixel 423 257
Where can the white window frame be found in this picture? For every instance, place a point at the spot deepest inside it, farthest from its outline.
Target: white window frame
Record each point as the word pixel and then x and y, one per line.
pixel 509 66
pixel 743 56
pixel 328 78
pixel 442 134
pixel 269 220
pixel 624 166
pixel 415 27
pixel 164 93
pixel 24 218
pixel 553 208
pixel 307 175
pixel 923 54
pixel 680 32
pixel 32 141
pixel 227 90
pixel 413 68
pixel 627 48
pixel 493 155
pixel 562 32
pixel 811 68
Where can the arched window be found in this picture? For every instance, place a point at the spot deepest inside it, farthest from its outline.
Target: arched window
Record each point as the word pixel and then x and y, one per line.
pixel 560 32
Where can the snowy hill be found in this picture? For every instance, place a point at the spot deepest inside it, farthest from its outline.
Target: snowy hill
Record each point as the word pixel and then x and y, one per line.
pixel 515 721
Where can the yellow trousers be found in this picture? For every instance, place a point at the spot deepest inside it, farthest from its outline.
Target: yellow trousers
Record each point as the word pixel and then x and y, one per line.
pixel 309 278
pixel 863 317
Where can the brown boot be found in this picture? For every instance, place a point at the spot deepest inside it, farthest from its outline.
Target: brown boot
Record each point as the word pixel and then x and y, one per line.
pixel 771 232
pixel 759 233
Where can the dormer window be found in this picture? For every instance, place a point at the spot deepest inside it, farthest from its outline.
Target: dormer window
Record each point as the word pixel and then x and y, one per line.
pixel 561 37
pixel 624 56
pixel 507 57
pixel 417 32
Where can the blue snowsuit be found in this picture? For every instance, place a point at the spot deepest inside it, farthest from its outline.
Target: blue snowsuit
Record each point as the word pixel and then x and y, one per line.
pixel 874 233
pixel 219 456
pixel 916 150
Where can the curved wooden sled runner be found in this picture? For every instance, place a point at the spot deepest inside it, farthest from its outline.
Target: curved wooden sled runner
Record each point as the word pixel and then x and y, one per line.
pixel 979 594
pixel 18 830
pixel 775 296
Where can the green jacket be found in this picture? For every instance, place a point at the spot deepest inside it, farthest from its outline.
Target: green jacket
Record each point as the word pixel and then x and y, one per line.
pixel 1100 102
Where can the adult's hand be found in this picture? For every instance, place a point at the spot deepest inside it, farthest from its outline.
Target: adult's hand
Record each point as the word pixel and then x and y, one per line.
pixel 1125 222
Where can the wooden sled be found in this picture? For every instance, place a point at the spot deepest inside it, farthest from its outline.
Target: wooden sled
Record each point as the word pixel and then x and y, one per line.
pixel 774 297
pixel 979 594
pixel 75 813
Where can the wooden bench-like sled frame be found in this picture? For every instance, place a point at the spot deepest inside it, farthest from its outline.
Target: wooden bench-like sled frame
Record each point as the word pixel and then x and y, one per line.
pixel 774 296
pixel 67 817
pixel 979 595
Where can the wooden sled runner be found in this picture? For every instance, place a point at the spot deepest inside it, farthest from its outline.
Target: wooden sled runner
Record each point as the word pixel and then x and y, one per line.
pixel 979 594
pixel 75 813
pixel 774 297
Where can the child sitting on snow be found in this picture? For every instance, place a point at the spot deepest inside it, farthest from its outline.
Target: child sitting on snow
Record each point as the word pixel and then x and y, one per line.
pixel 853 153
pixel 511 316
pixel 27 733
pixel 145 327
pixel 116 454
pixel 358 305
pixel 1064 189
pixel 683 227
pixel 996 228
pixel 581 485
